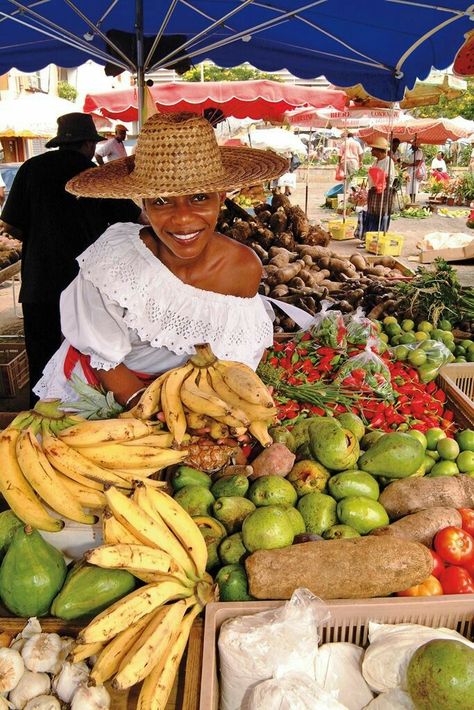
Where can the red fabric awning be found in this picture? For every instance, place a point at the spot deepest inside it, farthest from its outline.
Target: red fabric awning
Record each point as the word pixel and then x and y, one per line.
pixel 262 99
pixel 433 131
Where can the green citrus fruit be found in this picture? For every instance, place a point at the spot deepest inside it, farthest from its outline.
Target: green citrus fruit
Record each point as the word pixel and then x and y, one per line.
pixel 445 325
pixel 465 461
pixel 418 435
pixel 393 329
pixel 408 338
pixel 389 319
pixel 425 326
pixel 448 449
pixel 421 335
pixel 444 468
pixel 408 324
pixel 465 439
pixel 433 435
pixel 401 352
pixel 417 357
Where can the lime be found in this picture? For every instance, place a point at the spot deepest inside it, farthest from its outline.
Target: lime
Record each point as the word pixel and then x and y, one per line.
pixel 428 372
pixel 418 435
pixel 417 357
pixel 465 461
pixel 437 334
pixel 444 468
pixel 445 325
pixel 421 335
pixel 267 528
pixel 395 340
pixel 465 439
pixel 450 345
pixel 389 319
pixel 459 350
pixel 471 347
pixel 408 324
pixel 433 435
pixel 466 344
pixel 401 352
pixel 393 329
pixel 448 449
pixel 428 344
pixel 460 359
pixel 470 355
pixel 425 326
pixel 383 337
pixel 447 335
pixel 408 338
pixel 428 463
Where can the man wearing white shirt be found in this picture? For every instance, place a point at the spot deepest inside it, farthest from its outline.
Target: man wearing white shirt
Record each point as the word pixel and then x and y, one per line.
pixel 113 148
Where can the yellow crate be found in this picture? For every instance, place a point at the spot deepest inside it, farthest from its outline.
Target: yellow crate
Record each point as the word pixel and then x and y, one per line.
pixel 342 230
pixel 13 368
pixel 389 244
pixel 331 202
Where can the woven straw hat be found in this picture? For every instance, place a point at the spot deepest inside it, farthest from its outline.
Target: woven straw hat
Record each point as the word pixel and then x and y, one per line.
pixel 177 154
pixel 379 142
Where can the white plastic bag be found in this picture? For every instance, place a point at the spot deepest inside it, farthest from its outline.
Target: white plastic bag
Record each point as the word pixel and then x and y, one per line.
pixel 291 692
pixel 394 699
pixel 391 647
pixel 272 643
pixel 339 671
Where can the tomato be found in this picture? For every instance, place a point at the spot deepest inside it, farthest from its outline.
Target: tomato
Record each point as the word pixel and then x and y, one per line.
pixel 438 564
pixel 429 588
pixel 467 515
pixel 456 580
pixel 454 545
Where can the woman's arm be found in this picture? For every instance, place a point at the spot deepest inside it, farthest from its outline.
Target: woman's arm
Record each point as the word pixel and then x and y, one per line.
pixel 123 383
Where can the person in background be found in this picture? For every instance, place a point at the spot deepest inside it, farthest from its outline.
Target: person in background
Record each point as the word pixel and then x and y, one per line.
pixel 2 192
pixel 55 228
pixel 113 148
pixel 395 153
pixel 145 296
pixel 438 163
pixel 350 156
pixel 414 162
pixel 288 180
pixel 380 192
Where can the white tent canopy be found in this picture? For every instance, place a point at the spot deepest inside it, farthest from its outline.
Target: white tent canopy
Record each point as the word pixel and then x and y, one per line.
pixel 277 139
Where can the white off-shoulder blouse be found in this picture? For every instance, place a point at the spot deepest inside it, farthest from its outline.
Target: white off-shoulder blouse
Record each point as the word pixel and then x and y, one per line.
pixel 125 306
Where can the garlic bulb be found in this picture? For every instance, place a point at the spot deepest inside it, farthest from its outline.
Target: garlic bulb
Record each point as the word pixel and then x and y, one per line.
pixel 67 644
pixel 4 704
pixel 41 652
pixel 69 679
pixel 90 698
pixel 30 686
pixel 44 702
pixel 32 627
pixel 18 644
pixel 11 669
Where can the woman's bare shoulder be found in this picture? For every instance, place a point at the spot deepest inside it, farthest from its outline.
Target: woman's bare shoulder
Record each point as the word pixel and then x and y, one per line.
pixel 245 266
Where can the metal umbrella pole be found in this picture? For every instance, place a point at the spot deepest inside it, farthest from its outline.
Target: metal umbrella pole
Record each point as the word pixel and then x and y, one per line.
pixel 308 151
pixel 140 62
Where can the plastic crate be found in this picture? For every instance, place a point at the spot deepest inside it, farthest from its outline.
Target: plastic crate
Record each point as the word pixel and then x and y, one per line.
pixel 340 230
pixel 13 368
pixel 457 380
pixel 388 244
pixel 349 622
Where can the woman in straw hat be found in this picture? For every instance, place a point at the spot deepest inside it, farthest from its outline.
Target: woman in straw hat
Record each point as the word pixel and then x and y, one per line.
pixel 145 296
pixel 376 215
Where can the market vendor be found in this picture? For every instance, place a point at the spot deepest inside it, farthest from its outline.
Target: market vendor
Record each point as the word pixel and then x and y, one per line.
pixel 145 296
pixel 376 215
pixel 414 163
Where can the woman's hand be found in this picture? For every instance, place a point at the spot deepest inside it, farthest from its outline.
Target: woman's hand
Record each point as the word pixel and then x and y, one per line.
pixel 125 385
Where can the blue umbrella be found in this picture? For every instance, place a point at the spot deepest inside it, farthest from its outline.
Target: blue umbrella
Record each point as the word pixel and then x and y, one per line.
pixel 384 45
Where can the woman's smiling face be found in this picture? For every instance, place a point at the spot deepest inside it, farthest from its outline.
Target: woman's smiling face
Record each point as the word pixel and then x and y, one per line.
pixel 184 224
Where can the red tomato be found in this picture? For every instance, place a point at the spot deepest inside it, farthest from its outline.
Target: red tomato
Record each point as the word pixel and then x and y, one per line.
pixel 430 587
pixel 438 564
pixel 467 515
pixel 456 580
pixel 454 545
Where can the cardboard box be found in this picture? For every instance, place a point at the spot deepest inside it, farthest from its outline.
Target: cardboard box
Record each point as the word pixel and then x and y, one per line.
pixel 459 254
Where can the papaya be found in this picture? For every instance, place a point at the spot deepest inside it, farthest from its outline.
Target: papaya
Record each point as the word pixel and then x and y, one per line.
pixel 89 590
pixel 31 575
pixel 8 525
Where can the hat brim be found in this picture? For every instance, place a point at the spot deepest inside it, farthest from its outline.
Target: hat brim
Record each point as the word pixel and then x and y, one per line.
pixel 57 140
pixel 117 179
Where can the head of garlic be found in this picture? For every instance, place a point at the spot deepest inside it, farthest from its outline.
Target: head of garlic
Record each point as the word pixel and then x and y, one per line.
pixel 43 702
pixel 69 679
pixel 67 644
pixel 91 698
pixel 30 686
pixel 4 704
pixel 11 669
pixel 41 652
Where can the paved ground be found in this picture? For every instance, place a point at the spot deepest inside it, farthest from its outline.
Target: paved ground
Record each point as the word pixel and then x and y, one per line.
pixel 320 180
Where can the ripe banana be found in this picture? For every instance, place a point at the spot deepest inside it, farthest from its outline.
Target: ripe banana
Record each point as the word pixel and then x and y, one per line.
pixel 197 421
pixel 157 685
pixel 87 497
pixel 162 439
pixel 182 525
pixel 74 465
pixel 150 401
pixel 171 402
pixel 42 477
pixel 118 456
pixel 110 657
pixel 131 609
pixel 245 382
pixel 151 645
pixel 238 404
pixel 199 401
pixel 81 651
pixel 146 526
pixel 124 556
pixel 96 432
pixel 114 533
pixel 16 490
pixel 259 430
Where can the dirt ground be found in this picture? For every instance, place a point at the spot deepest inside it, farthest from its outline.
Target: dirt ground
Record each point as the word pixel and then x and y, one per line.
pixel 320 181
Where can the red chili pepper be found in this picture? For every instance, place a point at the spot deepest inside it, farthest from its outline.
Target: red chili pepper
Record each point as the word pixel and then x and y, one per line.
pixel 307 336
pixel 274 361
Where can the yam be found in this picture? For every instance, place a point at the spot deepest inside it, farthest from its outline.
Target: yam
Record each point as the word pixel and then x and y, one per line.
pixel 299 222
pixel 316 252
pixel 297 283
pixel 281 259
pixel 279 291
pixel 276 460
pixel 278 221
pixel 422 526
pixel 317 235
pixel 358 261
pixel 280 200
pixel 410 495
pixel 285 239
pixel 273 251
pixel 354 568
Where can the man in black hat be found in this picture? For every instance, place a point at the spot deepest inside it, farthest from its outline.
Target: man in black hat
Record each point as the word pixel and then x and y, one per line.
pixel 55 227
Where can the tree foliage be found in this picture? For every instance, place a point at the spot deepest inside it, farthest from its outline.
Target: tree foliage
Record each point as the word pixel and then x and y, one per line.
pixel 66 91
pixel 450 108
pixel 213 73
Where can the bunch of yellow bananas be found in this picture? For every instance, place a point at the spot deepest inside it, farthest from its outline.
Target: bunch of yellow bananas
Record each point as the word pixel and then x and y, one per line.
pixel 142 637
pixel 68 469
pixel 224 397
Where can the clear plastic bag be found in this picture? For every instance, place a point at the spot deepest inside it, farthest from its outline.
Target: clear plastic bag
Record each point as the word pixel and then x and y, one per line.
pixel 258 647
pixel 292 692
pixel 360 328
pixel 329 328
pixel 428 356
pixel 366 372
pixel 339 672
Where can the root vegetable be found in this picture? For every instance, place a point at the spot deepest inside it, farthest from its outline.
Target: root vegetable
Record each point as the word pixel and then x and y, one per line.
pixel 279 291
pixel 278 221
pixel 299 222
pixel 354 568
pixel 273 251
pixel 297 283
pixel 276 460
pixel 422 526
pixel 285 239
pixel 279 200
pixel 410 495
pixel 288 272
pixel 317 235
pixel 358 261
pixel 316 252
